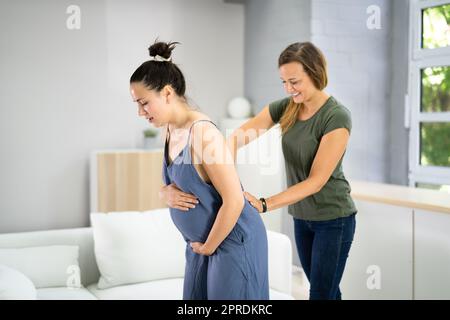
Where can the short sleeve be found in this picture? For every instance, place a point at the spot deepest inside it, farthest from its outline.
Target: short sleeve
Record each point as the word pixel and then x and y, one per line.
pixel 276 109
pixel 339 117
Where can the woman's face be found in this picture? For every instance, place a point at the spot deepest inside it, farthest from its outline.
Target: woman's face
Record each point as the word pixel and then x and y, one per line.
pixel 151 104
pixel 296 82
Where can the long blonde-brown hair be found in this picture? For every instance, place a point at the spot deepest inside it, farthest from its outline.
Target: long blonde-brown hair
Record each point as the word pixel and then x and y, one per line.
pixel 315 66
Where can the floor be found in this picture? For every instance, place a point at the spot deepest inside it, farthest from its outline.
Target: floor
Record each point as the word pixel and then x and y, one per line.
pixel 300 285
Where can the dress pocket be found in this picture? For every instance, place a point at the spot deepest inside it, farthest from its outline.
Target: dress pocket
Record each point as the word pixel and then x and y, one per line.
pixel 237 236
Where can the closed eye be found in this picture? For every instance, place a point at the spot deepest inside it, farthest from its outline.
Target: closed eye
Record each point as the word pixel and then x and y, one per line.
pixel 292 83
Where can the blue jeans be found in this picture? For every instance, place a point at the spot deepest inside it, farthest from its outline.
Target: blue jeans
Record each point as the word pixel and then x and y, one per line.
pixel 323 248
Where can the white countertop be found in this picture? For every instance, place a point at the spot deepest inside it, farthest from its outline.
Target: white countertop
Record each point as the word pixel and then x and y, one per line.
pixel 401 196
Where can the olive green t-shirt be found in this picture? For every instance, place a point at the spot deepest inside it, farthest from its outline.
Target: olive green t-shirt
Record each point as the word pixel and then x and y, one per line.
pixel 300 144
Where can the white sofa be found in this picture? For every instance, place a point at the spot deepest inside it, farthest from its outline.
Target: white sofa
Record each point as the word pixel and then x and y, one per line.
pixel 280 268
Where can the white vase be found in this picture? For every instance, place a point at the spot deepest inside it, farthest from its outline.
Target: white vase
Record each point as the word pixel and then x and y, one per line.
pixel 239 108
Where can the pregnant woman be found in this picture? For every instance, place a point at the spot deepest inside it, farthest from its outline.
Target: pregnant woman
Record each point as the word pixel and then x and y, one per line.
pixel 226 241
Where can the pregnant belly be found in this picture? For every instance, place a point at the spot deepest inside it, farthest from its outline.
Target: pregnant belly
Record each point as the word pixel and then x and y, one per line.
pixel 194 224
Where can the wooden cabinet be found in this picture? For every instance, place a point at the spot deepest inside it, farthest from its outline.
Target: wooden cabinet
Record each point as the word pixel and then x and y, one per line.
pixel 126 180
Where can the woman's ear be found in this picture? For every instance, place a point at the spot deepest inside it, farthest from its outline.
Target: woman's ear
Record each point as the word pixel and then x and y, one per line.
pixel 167 93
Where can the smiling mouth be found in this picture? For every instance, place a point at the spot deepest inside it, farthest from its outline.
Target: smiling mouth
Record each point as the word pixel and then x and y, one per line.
pixel 294 95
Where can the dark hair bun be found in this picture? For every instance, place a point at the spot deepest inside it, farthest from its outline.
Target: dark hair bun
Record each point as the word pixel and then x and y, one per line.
pixel 162 49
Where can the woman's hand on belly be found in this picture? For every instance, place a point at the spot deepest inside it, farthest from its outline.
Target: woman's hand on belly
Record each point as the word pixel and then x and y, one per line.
pixel 200 248
pixel 177 199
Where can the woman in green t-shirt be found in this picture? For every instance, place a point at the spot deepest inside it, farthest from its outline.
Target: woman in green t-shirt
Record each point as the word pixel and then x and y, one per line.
pixel 315 130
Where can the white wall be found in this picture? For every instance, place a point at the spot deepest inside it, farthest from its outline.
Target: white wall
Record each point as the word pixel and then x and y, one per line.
pixel 270 26
pixel 211 53
pixel 65 92
pixel 359 76
pixel 52 112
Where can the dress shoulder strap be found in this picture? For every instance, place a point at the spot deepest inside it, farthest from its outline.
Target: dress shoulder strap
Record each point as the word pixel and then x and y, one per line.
pixel 192 125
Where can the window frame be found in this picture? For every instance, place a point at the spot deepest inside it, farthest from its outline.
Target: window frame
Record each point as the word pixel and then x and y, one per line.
pixel 420 58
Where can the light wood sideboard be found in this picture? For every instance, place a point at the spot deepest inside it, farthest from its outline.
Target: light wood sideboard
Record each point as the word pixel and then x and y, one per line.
pixel 125 180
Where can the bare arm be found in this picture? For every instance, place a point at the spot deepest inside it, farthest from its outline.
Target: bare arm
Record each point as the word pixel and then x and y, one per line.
pixel 331 150
pixel 219 166
pixel 250 130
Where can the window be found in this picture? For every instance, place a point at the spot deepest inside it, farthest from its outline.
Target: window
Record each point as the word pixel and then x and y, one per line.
pixel 435 27
pixel 429 92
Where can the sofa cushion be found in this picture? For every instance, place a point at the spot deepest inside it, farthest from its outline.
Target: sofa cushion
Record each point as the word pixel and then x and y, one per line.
pixel 134 247
pixel 280 262
pixel 168 289
pixel 48 266
pixel 64 293
pixel 14 285
pixel 81 237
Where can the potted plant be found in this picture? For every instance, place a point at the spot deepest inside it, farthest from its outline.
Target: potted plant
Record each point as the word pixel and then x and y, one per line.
pixel 150 138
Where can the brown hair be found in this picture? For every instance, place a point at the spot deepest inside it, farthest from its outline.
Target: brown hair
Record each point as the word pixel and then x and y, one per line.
pixel 315 66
